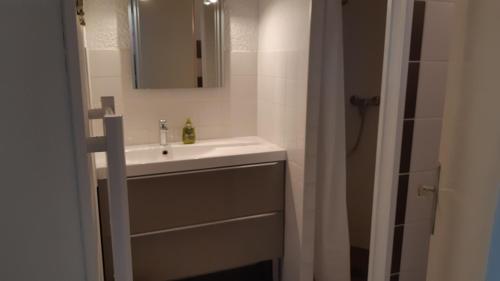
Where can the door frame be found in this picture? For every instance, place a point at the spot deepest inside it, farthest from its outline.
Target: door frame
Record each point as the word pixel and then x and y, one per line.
pixel 389 139
pixel 89 221
pixel 396 54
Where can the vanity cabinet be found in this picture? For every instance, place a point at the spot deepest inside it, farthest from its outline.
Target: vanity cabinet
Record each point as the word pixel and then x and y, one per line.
pixel 197 222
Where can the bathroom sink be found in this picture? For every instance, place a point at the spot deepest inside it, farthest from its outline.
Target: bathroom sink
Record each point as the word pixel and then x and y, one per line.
pixel 176 157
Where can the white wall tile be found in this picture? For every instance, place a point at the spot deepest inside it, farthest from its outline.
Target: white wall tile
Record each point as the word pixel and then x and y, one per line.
pixel 431 89
pixel 419 208
pixel 107 86
pixel 210 109
pixel 281 102
pixel 212 113
pixel 243 63
pixel 244 87
pixel 426 141
pixel 104 63
pixel 243 118
pixel 213 132
pixel 265 88
pixel 437 31
pixel 279 90
pixel 292 69
pixel 272 63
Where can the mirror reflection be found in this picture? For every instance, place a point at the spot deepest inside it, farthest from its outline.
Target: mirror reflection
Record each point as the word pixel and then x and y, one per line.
pixel 177 43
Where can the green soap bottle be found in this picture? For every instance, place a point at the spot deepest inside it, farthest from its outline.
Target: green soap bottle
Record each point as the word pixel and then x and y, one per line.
pixel 188 133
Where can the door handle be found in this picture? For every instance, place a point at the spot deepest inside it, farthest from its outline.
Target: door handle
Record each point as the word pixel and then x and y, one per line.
pixel 425 190
pixel 431 190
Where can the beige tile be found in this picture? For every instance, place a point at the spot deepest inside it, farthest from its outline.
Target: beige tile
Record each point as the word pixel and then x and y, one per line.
pixel 426 141
pixel 264 117
pixel 243 63
pixel 104 63
pixel 292 65
pixel 213 113
pixel 437 31
pixel 265 88
pixel 415 247
pixel 412 276
pixel 291 93
pixel 279 90
pixel 107 86
pixel 244 86
pixel 243 117
pixel 419 208
pixel 212 132
pixel 272 63
pixel 431 89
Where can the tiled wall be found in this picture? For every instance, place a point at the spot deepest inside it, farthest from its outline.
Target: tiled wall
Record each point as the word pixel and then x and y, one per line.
pixel 223 112
pixel 426 86
pixel 281 104
pixel 265 95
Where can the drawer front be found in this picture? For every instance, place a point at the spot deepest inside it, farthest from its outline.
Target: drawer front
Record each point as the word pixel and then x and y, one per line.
pixel 192 251
pixel 179 199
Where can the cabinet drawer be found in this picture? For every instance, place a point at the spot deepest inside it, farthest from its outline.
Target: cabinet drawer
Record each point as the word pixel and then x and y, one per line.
pixel 191 251
pixel 178 199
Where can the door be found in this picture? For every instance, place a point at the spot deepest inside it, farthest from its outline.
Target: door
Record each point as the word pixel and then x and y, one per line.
pixel 470 148
pixel 94 262
pixel 76 64
pixel 438 158
pixel 112 143
pixel 421 126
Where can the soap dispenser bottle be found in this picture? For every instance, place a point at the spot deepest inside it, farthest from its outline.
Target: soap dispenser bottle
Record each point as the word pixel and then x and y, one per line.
pixel 188 133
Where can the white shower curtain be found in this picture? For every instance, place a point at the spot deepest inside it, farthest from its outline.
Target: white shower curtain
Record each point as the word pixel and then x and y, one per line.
pixel 332 257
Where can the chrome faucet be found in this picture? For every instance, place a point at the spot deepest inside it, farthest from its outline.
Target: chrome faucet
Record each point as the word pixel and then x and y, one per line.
pixel 163 132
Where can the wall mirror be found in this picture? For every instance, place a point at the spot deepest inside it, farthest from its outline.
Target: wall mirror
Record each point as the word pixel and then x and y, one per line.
pixel 177 43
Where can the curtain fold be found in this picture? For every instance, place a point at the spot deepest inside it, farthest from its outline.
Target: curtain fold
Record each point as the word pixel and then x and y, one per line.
pixel 332 257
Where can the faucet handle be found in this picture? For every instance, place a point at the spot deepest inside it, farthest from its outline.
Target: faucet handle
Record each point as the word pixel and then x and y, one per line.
pixel 163 125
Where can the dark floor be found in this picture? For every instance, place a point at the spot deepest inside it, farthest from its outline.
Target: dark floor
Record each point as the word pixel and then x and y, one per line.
pixel 262 271
pixel 359 264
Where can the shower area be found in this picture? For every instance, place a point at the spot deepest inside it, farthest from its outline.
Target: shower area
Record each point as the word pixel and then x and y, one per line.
pixel 364 36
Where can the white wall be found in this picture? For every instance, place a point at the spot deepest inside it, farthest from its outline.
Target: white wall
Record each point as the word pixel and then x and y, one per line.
pixel 470 150
pixel 223 112
pixel 39 212
pixel 282 94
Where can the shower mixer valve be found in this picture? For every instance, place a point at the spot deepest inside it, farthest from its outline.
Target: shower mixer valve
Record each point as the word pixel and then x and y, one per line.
pixel 364 102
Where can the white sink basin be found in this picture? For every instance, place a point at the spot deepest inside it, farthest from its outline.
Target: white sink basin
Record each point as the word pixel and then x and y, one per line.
pixel 156 159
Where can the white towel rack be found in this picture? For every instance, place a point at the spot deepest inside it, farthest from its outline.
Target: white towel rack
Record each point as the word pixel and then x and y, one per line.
pixel 113 144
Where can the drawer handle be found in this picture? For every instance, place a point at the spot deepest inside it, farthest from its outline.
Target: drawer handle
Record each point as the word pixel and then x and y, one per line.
pixel 181 228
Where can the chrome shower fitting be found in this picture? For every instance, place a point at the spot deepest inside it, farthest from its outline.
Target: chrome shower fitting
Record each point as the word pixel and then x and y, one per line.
pixel 362 104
